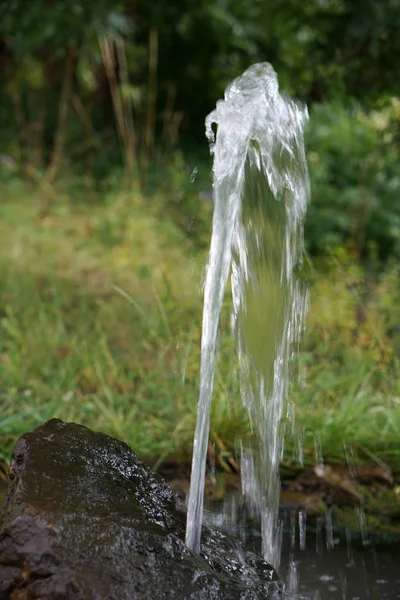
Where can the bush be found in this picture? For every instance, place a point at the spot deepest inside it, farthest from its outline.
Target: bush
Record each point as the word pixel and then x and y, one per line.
pixel 355 176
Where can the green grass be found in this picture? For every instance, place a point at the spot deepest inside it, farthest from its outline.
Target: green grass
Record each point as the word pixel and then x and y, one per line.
pixel 100 313
pixel 352 388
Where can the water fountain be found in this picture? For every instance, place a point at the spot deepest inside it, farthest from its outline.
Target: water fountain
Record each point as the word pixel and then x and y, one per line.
pixel 261 190
pixel 85 517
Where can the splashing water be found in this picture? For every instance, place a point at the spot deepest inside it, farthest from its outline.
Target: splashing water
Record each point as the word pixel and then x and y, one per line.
pixel 261 189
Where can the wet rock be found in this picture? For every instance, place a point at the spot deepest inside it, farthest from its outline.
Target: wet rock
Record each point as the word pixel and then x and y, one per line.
pixel 85 519
pixel 311 503
pixel 3 482
pixel 376 475
pixel 332 486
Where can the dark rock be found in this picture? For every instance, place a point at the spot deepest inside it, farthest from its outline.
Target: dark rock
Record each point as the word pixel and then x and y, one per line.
pixel 334 486
pixel 85 519
pixel 375 475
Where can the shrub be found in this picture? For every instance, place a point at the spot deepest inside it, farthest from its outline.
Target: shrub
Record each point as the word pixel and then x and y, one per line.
pixel 355 175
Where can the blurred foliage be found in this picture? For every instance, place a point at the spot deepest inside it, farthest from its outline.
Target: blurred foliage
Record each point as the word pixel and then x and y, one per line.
pixel 354 164
pixel 91 88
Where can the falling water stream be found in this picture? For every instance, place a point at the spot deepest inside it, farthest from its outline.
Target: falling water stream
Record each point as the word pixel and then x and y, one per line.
pixel 261 190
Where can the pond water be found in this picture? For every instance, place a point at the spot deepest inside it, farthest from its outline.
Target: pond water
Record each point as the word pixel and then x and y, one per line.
pixel 321 560
pixel 332 565
pixel 371 573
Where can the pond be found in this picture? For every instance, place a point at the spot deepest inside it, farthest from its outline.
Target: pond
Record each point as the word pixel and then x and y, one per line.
pixel 369 573
pixel 335 565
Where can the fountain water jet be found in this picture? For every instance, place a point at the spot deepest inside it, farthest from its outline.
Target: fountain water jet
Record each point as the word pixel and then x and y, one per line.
pixel 261 190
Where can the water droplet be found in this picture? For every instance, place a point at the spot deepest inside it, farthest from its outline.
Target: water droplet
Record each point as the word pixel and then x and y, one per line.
pixel 302 528
pixel 194 174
